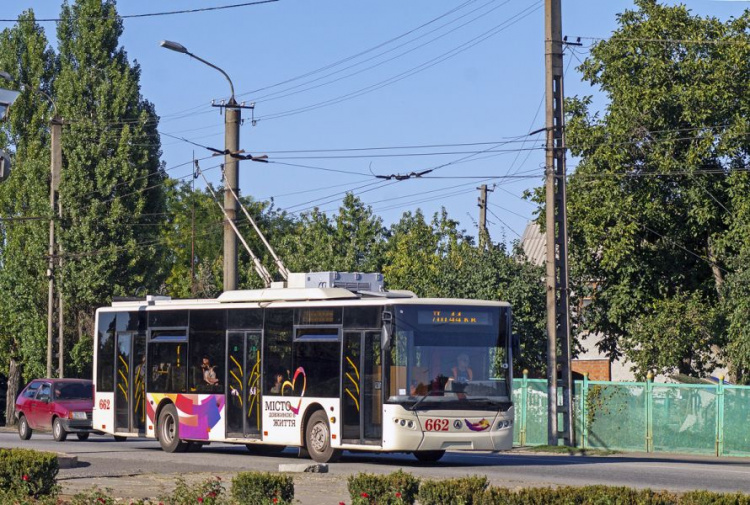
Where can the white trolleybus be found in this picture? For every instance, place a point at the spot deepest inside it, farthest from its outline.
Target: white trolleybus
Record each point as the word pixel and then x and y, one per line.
pixel 328 362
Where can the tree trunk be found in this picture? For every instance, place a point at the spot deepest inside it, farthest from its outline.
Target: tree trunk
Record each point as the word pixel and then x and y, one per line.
pixel 14 385
pixel 715 268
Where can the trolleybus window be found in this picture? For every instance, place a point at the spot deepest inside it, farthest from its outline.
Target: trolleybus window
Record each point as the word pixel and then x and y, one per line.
pixel 444 356
pixel 105 370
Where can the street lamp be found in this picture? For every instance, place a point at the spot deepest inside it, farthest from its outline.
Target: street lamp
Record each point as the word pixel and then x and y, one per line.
pixel 7 96
pixel 232 119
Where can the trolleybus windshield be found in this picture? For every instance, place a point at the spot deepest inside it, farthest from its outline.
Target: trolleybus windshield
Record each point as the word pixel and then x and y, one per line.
pixel 445 356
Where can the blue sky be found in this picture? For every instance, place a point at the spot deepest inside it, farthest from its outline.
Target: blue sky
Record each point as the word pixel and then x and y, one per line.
pixel 416 73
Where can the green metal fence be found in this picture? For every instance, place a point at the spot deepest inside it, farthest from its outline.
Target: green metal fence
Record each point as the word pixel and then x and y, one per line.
pixel 642 416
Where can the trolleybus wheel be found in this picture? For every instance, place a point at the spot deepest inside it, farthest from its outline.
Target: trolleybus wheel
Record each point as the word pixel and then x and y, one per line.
pixel 169 430
pixel 428 456
pixel 58 432
pixel 120 438
pixel 24 431
pixel 318 439
pixel 82 436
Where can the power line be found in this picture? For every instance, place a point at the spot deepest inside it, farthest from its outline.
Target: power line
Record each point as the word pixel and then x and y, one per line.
pixel 408 73
pixel 504 223
pixel 151 14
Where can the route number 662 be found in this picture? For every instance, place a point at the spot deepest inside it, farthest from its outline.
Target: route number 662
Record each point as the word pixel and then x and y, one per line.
pixel 104 405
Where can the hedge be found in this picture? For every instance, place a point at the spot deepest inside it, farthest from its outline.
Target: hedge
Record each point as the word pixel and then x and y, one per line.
pixel 461 491
pixel 24 472
pixel 392 489
pixel 251 488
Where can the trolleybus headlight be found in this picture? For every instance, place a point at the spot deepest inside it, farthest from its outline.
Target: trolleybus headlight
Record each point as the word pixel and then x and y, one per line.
pixel 411 424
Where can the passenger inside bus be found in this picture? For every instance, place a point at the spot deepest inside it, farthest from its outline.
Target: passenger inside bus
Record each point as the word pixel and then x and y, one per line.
pixel 462 372
pixel 209 372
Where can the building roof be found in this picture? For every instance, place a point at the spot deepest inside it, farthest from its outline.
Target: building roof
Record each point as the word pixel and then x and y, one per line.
pixel 534 244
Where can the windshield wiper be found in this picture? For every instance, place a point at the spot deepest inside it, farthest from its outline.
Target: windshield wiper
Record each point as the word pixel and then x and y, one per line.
pixel 421 399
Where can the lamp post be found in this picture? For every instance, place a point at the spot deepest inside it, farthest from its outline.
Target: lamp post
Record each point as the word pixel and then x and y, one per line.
pixel 232 117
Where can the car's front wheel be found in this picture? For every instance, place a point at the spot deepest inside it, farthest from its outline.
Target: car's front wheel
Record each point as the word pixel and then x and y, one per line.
pixel 24 430
pixel 58 431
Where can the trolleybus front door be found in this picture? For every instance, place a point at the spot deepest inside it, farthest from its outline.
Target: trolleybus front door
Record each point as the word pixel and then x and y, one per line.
pixel 243 384
pixel 130 376
pixel 361 388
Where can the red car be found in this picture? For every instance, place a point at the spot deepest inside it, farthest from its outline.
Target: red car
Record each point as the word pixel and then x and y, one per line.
pixel 60 405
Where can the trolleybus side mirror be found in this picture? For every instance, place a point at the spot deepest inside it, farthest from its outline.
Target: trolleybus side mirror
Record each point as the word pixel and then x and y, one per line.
pixel 385 338
pixel 516 343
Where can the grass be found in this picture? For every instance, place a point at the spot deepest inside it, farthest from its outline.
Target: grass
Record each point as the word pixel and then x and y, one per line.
pixel 571 451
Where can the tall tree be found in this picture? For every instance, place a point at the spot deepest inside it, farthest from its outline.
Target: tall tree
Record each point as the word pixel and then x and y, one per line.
pixel 25 54
pixel 112 184
pixel 649 204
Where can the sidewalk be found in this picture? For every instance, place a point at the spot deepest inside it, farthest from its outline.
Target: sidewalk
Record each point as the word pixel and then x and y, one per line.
pixel 309 488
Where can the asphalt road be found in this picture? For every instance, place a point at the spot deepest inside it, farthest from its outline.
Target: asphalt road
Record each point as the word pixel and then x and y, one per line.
pixel 139 468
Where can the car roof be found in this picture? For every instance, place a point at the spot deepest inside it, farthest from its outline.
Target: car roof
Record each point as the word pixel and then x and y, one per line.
pixel 72 381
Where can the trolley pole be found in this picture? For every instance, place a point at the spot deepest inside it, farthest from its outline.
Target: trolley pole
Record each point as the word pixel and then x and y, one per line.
pixel 558 318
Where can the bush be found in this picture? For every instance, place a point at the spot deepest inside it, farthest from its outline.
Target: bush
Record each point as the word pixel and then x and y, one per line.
pixel 24 473
pixel 462 491
pixel 209 492
pixel 393 489
pixel 253 488
pixel 587 495
pixel 707 497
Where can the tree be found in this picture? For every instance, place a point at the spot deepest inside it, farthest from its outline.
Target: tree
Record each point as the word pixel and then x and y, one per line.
pixel 25 54
pixel 112 184
pixel 649 203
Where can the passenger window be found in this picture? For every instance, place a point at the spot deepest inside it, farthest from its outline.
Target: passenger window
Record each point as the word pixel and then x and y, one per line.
pixel 43 392
pixel 31 390
pixel 168 371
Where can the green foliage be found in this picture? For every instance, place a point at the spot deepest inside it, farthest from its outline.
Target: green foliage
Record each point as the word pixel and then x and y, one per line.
pixel 208 492
pixel 93 496
pixel 262 488
pixel 393 489
pixel 461 491
pixel 599 495
pixel 27 473
pixel 654 201
pixel 82 357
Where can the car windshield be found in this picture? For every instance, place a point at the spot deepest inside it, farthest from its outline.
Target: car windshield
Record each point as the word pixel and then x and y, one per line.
pixel 74 391
pixel 449 357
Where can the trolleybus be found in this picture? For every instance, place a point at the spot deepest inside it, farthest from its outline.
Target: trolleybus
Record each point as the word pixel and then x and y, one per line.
pixel 331 365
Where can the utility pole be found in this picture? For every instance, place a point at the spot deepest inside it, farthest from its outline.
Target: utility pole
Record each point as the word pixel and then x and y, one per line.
pixel 484 233
pixel 558 303
pixel 53 308
pixel 232 117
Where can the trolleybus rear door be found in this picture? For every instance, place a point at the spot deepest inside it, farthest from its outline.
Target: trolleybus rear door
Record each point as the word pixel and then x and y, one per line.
pixel 243 384
pixel 361 388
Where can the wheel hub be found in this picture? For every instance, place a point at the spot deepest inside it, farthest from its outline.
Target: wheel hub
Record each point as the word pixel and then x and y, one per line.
pixel 319 437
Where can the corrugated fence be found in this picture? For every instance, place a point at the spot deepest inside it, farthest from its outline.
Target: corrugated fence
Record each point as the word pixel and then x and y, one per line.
pixel 642 416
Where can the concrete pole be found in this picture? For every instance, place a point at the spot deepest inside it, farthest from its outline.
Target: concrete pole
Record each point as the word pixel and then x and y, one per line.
pixel 55 172
pixel 558 319
pixel 232 117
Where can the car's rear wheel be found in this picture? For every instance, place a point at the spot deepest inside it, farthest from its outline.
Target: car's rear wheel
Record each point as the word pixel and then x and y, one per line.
pixel 24 430
pixel 82 436
pixel 169 430
pixel 58 431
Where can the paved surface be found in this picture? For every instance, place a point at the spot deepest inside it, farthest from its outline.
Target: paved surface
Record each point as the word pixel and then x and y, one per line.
pixel 139 468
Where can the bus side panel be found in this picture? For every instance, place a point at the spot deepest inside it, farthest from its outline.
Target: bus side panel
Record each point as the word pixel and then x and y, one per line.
pixel 202 417
pixel 283 415
pixel 103 415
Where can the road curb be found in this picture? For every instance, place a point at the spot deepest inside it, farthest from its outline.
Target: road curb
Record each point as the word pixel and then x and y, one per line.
pixel 66 460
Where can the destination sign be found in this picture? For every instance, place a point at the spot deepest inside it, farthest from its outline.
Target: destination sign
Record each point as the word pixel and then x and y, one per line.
pixel 453 317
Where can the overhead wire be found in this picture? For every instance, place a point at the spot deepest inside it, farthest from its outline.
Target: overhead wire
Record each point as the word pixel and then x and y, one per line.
pixel 151 14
